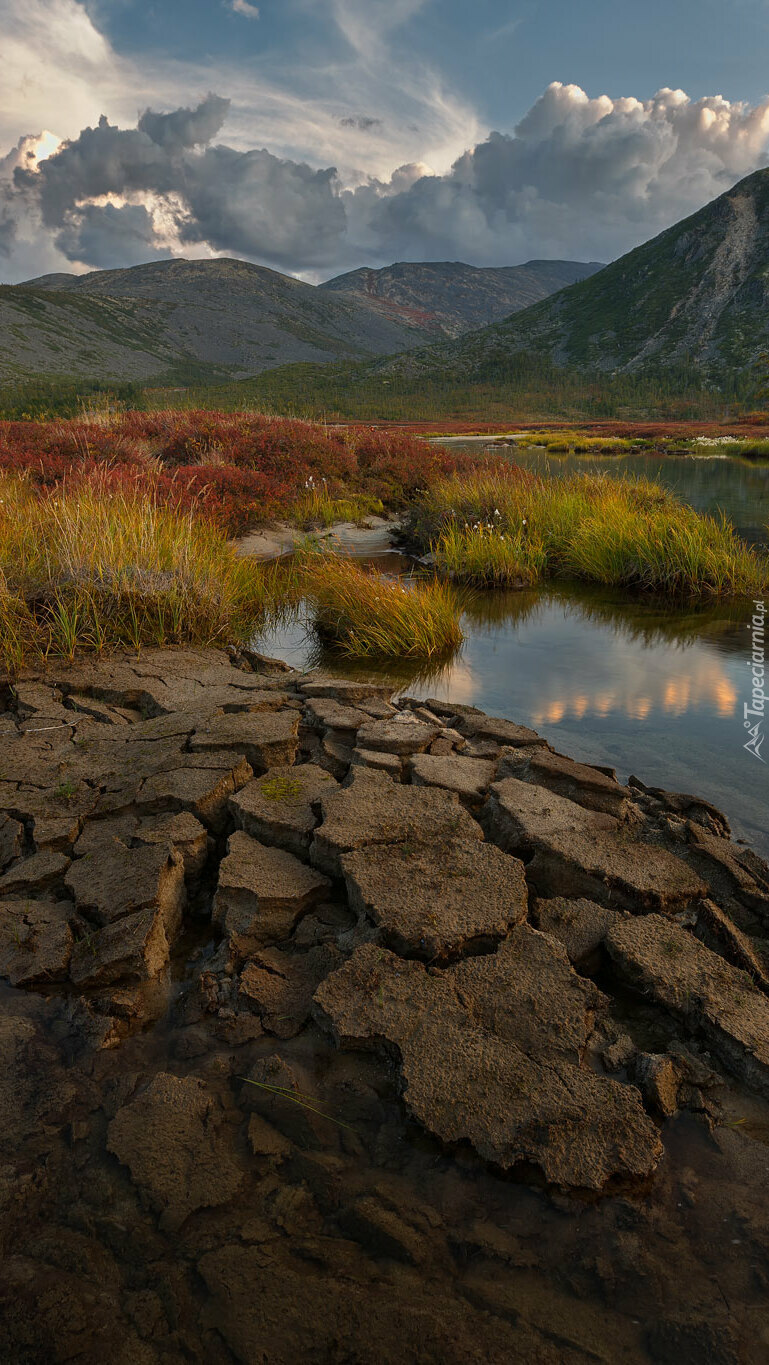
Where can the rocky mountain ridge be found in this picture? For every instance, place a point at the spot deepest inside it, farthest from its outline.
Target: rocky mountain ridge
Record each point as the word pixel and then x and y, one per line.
pixel 694 297
pixel 452 298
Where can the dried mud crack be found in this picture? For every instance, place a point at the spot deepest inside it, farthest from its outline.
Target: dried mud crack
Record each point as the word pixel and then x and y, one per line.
pixel 350 1029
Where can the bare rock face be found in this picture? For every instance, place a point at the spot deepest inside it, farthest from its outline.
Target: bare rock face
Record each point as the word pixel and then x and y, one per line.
pixel 266 739
pixel 171 1139
pixel 514 1101
pixel 716 1000
pixel 262 893
pixel 282 808
pixel 375 810
pixel 36 941
pixel 470 778
pixel 435 901
pixel 580 852
pixel 587 786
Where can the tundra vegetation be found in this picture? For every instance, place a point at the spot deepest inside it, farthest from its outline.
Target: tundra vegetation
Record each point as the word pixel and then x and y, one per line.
pixel 119 532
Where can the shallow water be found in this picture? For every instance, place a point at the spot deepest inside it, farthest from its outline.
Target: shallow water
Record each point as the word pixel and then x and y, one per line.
pixel 653 691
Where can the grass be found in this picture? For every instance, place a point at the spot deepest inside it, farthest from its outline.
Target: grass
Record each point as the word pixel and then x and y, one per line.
pixel 577 443
pixel 362 614
pixel 94 567
pixel 506 528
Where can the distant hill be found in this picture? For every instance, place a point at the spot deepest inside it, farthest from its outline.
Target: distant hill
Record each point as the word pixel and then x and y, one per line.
pixel 208 321
pixel 189 319
pixel 451 298
pixel 694 299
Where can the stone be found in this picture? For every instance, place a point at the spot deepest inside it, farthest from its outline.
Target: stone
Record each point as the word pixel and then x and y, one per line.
pixel 116 881
pixel 659 1078
pixel 382 1231
pixel 715 1000
pixel 11 841
pixel 280 808
pixel 351 693
pixel 385 763
pixel 201 787
pixel 374 810
pixel 267 739
pixel 325 713
pixel 37 873
pixel 502 732
pixel 36 941
pixel 720 933
pixel 578 781
pixel 335 757
pixel 585 853
pixel 399 734
pixel 513 1101
pixel 173 1141
pixel 135 948
pixel 580 925
pixel 264 1140
pixel 618 1055
pixel 178 830
pixel 262 893
pixel 279 986
pixel 434 902
pixel 470 778
pixel 730 870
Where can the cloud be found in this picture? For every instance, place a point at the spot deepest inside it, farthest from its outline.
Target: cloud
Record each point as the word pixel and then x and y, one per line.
pixel 578 177
pixel 243 7
pixel 186 127
pixel 360 121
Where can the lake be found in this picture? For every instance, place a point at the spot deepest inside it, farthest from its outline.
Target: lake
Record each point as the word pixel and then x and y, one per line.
pixel 653 690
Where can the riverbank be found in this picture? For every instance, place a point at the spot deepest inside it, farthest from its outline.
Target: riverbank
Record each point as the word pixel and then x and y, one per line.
pixel 299 975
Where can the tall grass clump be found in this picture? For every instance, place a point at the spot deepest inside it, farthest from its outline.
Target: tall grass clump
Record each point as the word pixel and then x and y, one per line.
pixel 93 566
pixel 507 527
pixel 361 614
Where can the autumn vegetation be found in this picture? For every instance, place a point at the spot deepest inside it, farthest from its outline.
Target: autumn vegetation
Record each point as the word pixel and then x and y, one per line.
pixel 118 530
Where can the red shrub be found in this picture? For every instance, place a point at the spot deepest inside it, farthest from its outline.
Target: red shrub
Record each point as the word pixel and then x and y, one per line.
pixel 237 468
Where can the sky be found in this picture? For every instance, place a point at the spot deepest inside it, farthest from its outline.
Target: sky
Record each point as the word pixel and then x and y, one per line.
pixel 316 136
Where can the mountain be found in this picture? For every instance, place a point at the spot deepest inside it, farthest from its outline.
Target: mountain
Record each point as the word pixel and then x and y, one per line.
pixel 695 298
pixel 185 319
pixel 450 298
pixel 190 321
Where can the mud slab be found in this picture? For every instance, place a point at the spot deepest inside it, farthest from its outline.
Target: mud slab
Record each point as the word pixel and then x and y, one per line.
pixel 334 1027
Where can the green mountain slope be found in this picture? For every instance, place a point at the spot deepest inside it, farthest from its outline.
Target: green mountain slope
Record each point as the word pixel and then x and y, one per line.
pixel 451 298
pixel 189 319
pixel 693 298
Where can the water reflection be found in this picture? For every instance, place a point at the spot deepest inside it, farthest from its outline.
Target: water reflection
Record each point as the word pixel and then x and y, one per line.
pixel 634 684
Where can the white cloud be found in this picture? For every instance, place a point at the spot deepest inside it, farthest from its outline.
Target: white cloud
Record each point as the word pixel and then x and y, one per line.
pixel 243 7
pixel 313 180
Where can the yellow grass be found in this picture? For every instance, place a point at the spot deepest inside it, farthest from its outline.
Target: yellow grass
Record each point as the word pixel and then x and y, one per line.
pixel 95 568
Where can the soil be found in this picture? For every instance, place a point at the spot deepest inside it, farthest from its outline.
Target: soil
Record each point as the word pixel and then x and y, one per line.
pixel 317 1046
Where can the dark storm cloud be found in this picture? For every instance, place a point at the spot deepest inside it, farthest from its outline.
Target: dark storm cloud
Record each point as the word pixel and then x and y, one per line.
pixel 186 127
pixel 102 234
pixel 578 177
